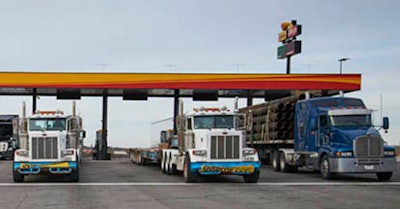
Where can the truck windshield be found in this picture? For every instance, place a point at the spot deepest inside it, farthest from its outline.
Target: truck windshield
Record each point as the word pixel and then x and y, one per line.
pixel 213 121
pixel 47 124
pixel 350 120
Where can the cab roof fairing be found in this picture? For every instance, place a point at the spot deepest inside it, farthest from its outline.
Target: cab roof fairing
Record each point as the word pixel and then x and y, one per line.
pixel 349 111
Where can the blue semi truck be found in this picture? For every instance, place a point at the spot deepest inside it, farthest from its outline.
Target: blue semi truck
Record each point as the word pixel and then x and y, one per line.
pixel 331 134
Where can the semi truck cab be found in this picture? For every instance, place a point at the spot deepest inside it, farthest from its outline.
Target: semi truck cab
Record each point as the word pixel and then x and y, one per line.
pixel 50 143
pixel 212 141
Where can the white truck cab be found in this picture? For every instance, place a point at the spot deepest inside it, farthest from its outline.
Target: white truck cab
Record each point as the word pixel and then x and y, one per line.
pixel 212 142
pixel 50 142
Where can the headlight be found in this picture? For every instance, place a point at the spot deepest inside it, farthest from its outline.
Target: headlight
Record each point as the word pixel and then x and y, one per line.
pixel 67 152
pixel 344 154
pixel 199 152
pixel 249 152
pixel 22 153
pixel 389 153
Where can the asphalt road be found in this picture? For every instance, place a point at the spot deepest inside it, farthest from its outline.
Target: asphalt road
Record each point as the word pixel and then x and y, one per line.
pixel 121 184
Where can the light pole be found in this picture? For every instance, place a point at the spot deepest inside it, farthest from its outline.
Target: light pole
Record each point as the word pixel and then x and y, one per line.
pixel 340 61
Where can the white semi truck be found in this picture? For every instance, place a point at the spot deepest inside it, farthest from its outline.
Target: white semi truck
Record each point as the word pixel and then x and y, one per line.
pixel 8 135
pixel 211 141
pixel 49 143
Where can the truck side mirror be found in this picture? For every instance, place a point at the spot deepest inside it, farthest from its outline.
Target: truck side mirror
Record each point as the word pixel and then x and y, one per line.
pixel 84 134
pixel 385 123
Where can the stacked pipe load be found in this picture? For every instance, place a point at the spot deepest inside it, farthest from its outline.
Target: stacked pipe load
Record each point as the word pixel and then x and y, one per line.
pixel 273 120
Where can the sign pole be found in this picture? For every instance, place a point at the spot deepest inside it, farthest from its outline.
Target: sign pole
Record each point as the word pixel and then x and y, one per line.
pixel 288 65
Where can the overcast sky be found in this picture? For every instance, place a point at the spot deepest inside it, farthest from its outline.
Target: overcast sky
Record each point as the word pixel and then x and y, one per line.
pixel 224 36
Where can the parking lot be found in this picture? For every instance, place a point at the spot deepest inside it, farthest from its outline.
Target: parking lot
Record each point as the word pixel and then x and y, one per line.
pixel 122 184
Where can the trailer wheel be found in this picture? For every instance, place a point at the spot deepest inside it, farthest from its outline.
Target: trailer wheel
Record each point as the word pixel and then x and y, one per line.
pixel 18 177
pixel 275 161
pixel 252 178
pixel 187 174
pixel 384 176
pixel 324 168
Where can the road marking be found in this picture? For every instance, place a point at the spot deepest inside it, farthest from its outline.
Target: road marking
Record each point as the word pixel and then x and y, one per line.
pixel 201 184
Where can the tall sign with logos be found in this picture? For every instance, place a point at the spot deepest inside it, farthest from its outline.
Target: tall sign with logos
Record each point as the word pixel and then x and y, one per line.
pixel 290 46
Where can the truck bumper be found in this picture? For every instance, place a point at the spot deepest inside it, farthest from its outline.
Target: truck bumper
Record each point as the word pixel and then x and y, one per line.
pixel 354 165
pixel 217 168
pixel 45 167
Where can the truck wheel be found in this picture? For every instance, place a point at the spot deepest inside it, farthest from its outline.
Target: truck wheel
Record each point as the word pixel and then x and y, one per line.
pixel 275 161
pixel 18 177
pixel 168 164
pixel 384 176
pixel 74 175
pixel 187 174
pixel 163 164
pixel 252 178
pixel 173 169
pixel 140 161
pixel 284 166
pixel 324 168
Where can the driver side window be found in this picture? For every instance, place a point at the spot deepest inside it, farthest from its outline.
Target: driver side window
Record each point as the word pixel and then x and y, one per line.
pixel 323 121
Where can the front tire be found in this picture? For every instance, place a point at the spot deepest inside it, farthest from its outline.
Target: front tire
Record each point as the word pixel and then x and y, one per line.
pixel 252 178
pixel 384 176
pixel 187 174
pixel 74 176
pixel 325 169
pixel 18 177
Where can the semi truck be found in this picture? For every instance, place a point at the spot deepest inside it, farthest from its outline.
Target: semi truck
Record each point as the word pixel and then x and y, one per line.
pixel 153 155
pixel 331 134
pixel 49 143
pixel 211 141
pixel 8 135
pixel 162 137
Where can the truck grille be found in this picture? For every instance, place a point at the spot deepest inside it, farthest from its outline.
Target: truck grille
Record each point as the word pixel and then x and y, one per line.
pixel 225 147
pixel 44 148
pixel 368 147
